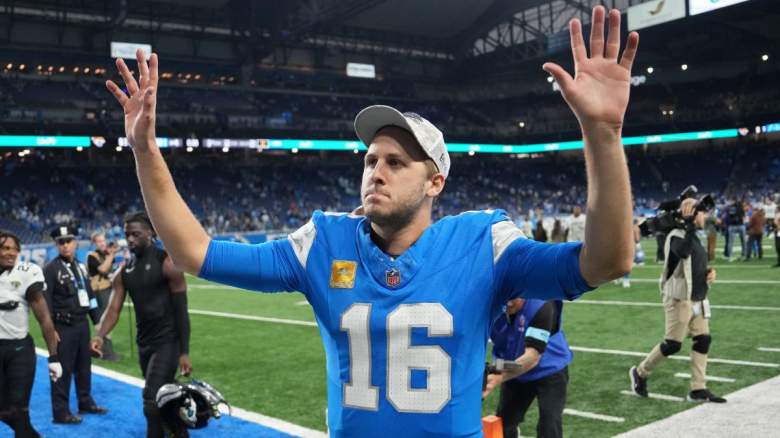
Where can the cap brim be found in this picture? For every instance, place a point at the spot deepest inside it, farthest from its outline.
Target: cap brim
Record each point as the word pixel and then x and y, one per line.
pixel 375 117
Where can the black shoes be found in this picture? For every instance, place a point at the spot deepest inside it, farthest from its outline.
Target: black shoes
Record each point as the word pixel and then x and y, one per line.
pixel 704 395
pixel 638 383
pixel 94 409
pixel 68 419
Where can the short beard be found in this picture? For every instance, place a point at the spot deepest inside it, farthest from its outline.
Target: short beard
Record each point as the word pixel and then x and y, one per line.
pixel 398 219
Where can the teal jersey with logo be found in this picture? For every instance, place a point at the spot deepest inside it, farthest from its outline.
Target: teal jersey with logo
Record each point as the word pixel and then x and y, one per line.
pixel 405 336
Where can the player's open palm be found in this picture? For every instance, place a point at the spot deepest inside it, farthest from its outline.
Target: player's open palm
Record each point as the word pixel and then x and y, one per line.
pixel 598 92
pixel 140 102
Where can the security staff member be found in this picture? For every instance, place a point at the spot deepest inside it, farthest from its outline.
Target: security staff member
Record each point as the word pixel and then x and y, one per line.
pixel 685 282
pixel 69 298
pixel 159 293
pixel 99 266
pixel 21 287
pixel 530 335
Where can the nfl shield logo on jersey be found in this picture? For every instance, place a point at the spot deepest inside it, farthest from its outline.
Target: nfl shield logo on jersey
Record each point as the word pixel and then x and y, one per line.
pixel 393 277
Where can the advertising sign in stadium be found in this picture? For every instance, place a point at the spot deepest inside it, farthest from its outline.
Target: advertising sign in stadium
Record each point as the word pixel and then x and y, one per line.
pixel 701 6
pixel 655 12
pixel 356 70
pixel 56 141
pixel 127 50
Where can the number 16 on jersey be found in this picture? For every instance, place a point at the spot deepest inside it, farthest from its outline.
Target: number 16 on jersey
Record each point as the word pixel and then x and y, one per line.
pixel 402 357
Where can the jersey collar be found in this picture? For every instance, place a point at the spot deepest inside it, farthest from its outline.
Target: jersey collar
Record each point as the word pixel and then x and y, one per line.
pixel 393 273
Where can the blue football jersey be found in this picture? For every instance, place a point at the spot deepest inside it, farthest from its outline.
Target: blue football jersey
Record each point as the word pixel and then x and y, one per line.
pixel 405 336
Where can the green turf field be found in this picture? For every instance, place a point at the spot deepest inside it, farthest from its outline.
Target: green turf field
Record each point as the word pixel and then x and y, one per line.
pixel 279 369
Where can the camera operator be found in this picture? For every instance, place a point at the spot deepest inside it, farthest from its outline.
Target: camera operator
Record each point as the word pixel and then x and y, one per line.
pixel 684 285
pixel 99 267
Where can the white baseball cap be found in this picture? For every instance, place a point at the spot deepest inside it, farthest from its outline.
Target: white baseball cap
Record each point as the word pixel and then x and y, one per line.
pixel 373 118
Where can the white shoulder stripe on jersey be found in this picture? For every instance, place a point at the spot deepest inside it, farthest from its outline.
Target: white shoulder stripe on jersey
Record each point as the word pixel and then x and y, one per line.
pixel 301 241
pixel 504 233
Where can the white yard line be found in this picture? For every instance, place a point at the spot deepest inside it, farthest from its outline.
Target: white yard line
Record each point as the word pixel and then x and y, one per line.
pixel 651 304
pixel 769 349
pixel 716 266
pixel 656 396
pixel 708 378
pixel 252 417
pixel 686 358
pixel 593 416
pixel 581 349
pixel 718 281
pixel 254 318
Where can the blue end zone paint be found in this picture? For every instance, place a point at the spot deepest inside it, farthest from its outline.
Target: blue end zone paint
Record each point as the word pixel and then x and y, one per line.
pixel 125 417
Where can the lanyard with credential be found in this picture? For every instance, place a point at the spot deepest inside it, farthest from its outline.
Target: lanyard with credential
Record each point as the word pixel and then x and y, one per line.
pixel 78 281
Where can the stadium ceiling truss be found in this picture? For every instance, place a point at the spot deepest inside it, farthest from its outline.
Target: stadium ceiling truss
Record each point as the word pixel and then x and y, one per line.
pixel 537 30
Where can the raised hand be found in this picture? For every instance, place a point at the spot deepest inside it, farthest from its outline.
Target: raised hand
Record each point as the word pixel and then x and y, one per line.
pixel 598 92
pixel 140 102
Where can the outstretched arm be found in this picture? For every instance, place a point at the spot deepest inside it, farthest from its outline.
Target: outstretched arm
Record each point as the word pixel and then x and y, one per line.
pixel 598 96
pixel 185 239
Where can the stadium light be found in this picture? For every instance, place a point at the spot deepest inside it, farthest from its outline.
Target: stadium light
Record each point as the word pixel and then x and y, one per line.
pixel 118 148
pixel 189 149
pixel 684 67
pixel 225 149
pixel 765 57
pixel 521 124
pixel 62 68
pixel 550 79
pixel 650 70
pixel 86 70
pixel 9 66
pixel 51 68
pixel 354 151
pixel 471 153
pixel 295 150
pixel 197 77
pixel 40 67
pixel 79 149
pixel 22 67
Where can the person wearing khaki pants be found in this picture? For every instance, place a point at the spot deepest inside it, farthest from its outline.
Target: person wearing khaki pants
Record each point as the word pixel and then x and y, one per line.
pixel 684 284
